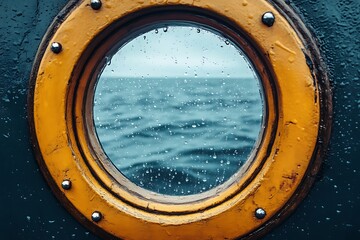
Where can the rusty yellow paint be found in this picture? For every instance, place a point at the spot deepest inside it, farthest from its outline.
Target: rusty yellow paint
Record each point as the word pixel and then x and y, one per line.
pixel 228 213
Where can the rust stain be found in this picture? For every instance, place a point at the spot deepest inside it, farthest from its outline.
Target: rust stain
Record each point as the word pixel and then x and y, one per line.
pixel 291 123
pixel 272 192
pixel 292 177
pixel 54 148
pixel 289 181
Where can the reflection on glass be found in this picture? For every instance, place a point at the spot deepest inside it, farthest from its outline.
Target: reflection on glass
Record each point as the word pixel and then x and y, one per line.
pixel 178 109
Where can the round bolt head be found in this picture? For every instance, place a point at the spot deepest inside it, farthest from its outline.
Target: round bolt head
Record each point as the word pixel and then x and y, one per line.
pixel 268 19
pixel 56 47
pixel 95 4
pixel 260 213
pixel 66 184
pixel 96 216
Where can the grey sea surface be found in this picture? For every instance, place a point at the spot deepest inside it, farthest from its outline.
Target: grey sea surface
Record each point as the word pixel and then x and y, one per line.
pixel 178 136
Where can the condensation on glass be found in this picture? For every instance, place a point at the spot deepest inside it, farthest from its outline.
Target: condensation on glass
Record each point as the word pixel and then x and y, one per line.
pixel 178 109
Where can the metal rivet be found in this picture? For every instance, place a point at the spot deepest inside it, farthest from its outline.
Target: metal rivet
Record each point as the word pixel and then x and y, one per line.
pixel 260 213
pixel 268 19
pixel 96 216
pixel 95 4
pixel 66 184
pixel 56 47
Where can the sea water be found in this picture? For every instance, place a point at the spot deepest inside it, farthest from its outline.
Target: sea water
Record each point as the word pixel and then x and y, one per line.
pixel 178 136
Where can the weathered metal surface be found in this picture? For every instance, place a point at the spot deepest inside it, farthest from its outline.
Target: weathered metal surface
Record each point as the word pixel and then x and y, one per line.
pixel 30 209
pixel 330 210
pixel 283 166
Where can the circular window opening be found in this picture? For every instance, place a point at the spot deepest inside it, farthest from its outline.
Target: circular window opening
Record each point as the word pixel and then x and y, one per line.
pixel 178 109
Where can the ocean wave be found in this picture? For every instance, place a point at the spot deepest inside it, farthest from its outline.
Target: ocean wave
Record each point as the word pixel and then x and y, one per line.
pixel 178 137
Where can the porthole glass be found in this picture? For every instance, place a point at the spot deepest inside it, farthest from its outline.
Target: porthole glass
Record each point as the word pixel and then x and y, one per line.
pixel 178 109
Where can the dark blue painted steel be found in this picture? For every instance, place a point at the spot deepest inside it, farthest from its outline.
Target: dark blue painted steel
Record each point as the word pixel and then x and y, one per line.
pixel 331 210
pixel 28 208
pixel 30 211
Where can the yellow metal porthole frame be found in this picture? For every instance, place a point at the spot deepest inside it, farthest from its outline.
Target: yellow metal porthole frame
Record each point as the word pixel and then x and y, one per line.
pixel 253 200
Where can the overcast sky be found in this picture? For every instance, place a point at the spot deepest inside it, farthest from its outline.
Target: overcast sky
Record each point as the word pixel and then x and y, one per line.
pixel 178 51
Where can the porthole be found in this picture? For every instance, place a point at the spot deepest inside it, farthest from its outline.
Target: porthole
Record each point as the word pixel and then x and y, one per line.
pixel 191 119
pixel 174 114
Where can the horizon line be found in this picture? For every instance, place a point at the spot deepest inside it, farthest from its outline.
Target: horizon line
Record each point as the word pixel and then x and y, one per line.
pixel 174 77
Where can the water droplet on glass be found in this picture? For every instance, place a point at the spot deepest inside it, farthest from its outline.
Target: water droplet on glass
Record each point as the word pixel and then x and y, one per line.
pixel 158 118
